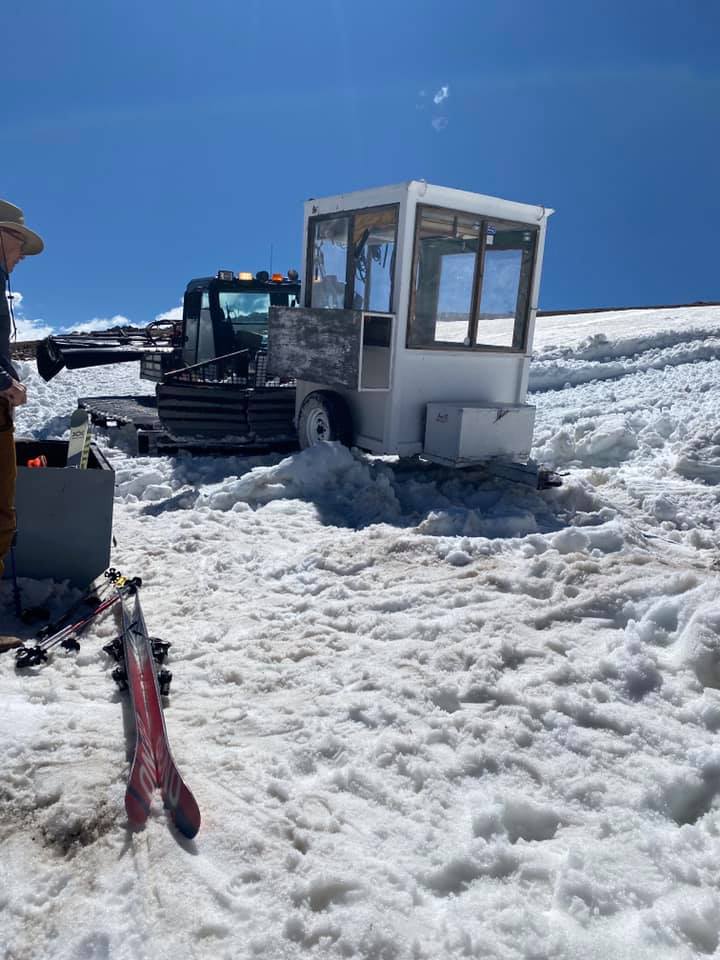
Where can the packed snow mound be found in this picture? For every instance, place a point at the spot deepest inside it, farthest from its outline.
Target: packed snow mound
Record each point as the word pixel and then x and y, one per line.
pixel 593 441
pixel 329 474
pixel 350 489
pixel 654 420
pixel 697 645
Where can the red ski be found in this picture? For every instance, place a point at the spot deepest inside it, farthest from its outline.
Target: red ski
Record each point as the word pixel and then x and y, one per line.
pixel 153 765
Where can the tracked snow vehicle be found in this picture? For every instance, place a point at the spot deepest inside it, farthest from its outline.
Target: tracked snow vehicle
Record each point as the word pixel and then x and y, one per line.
pixel 210 367
pixel 411 335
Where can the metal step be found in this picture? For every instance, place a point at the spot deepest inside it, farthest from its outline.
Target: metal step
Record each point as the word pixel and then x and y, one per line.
pixel 108 411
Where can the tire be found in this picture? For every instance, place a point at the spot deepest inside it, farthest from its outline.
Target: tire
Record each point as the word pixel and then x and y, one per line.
pixel 324 416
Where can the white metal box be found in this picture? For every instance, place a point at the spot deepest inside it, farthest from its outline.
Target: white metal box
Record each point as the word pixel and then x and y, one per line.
pixel 462 434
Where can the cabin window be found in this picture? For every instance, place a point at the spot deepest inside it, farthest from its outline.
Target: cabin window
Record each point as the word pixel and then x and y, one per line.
pixel 329 263
pixel 471 282
pixel 446 247
pixel 352 260
pixel 505 289
pixel 373 254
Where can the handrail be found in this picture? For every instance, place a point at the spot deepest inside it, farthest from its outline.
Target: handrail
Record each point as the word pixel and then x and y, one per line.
pixel 203 363
pixel 233 367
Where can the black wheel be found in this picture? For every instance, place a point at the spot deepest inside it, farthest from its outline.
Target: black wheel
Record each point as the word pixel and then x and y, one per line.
pixel 324 416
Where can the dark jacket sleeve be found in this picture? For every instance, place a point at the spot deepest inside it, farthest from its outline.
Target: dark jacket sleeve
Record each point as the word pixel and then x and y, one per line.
pixel 7 374
pixel 7 371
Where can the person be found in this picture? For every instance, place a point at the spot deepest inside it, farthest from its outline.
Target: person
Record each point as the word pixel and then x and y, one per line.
pixel 16 242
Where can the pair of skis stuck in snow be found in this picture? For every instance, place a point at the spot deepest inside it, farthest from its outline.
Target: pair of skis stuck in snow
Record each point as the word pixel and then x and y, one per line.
pixel 138 656
pixel 153 765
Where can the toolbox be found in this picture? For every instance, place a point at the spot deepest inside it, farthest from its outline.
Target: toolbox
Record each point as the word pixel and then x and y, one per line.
pixel 64 515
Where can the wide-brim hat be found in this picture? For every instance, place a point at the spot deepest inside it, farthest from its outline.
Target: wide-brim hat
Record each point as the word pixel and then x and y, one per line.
pixel 12 218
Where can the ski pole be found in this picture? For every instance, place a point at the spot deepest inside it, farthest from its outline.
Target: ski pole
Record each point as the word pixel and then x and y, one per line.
pixel 16 588
pixel 70 636
pixel 32 656
pixel 61 635
pixel 92 596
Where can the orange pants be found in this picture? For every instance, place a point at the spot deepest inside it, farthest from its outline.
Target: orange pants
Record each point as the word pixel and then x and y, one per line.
pixel 8 472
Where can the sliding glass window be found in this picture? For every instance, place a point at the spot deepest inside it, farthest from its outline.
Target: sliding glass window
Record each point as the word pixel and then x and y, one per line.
pixel 505 288
pixel 471 282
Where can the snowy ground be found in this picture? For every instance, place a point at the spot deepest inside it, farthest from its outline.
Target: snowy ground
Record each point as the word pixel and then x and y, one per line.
pixel 424 715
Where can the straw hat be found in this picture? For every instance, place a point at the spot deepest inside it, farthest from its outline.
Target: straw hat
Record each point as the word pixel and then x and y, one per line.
pixel 12 218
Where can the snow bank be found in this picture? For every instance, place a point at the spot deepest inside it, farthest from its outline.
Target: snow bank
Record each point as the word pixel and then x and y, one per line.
pixel 425 715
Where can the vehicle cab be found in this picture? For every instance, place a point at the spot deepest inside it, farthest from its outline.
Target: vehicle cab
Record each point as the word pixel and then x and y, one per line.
pixel 229 312
pixel 223 316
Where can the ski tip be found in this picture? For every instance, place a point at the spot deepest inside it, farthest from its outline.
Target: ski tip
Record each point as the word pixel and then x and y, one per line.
pixel 188 825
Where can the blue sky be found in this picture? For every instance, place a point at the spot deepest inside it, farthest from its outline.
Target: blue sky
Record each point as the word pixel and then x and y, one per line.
pixel 150 142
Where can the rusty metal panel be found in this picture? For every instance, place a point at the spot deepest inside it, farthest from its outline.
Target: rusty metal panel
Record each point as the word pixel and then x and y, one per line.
pixel 321 346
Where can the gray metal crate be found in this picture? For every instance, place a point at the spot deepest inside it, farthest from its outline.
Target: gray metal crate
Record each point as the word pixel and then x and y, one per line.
pixel 64 516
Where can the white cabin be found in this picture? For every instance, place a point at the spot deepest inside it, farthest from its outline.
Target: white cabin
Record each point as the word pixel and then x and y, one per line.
pixel 415 328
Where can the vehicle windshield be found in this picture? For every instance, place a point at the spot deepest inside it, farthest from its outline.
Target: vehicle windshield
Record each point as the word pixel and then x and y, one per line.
pixel 245 311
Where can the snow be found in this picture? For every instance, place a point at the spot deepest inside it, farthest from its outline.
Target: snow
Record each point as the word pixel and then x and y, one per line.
pixel 424 714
